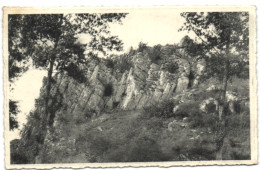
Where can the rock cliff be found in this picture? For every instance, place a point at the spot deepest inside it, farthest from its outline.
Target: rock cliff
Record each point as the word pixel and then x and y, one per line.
pixel 143 84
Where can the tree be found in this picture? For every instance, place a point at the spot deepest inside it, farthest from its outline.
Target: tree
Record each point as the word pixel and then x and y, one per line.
pixel 51 41
pixel 224 43
pixel 16 65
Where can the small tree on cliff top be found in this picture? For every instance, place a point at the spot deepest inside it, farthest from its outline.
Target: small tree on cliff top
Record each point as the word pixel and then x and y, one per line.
pixel 224 38
pixel 51 40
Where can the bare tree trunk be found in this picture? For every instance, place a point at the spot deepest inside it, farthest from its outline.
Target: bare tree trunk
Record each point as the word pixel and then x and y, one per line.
pixel 48 89
pixel 221 130
pixel 47 114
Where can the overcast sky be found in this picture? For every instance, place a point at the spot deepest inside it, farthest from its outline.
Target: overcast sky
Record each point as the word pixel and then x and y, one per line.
pixel 148 27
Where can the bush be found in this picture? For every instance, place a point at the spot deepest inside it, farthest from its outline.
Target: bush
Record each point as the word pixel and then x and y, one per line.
pixel 83 117
pixel 141 47
pixel 123 63
pixel 108 90
pixel 187 109
pixel 17 157
pixel 172 68
pixel 155 54
pixel 160 109
pixel 74 72
pixel 109 63
pixel 195 116
pixel 238 121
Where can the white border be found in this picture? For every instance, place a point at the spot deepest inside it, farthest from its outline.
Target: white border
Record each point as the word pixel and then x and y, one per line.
pixel 117 3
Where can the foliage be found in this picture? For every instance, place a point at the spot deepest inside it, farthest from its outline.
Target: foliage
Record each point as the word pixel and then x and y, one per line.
pixel 16 59
pixel 224 37
pixel 32 137
pixel 123 62
pixel 108 91
pixel 191 47
pixel 172 67
pixel 76 73
pixel 159 109
pixel 109 63
pixel 142 47
pixel 155 54
pixel 13 111
pixel 196 117
pixel 83 117
pixel 16 63
pixel 16 156
pixel 220 35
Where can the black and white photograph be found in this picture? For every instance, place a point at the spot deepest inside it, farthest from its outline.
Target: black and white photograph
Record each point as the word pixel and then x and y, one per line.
pixel 130 86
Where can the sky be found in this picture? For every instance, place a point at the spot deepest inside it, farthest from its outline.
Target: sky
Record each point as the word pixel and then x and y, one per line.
pixel 148 27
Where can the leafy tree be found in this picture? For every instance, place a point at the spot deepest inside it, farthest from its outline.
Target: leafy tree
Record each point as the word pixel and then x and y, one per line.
pixel 16 64
pixel 13 111
pixel 51 40
pixel 223 39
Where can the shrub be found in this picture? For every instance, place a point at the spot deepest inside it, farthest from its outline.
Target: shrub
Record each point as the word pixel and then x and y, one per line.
pixel 74 72
pixel 211 108
pixel 123 63
pixel 187 109
pixel 17 156
pixel 238 120
pixel 210 120
pixel 109 63
pixel 141 47
pixel 108 91
pixel 115 104
pixel 159 109
pixel 172 67
pixel 155 54
pixel 83 117
pixel 195 116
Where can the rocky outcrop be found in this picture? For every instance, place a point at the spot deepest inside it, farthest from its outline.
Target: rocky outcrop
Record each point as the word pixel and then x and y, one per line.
pixel 200 70
pixel 144 84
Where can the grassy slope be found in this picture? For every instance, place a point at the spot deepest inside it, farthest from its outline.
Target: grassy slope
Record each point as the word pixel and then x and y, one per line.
pixel 128 136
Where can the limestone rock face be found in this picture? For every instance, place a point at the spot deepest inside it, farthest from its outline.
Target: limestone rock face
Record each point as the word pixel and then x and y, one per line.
pixel 200 69
pixel 142 85
pixel 182 84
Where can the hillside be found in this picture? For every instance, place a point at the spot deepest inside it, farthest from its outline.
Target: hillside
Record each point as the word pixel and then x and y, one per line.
pixel 152 104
